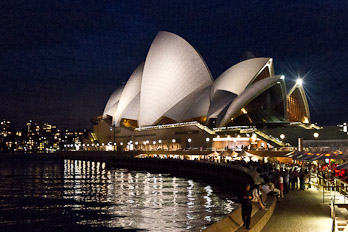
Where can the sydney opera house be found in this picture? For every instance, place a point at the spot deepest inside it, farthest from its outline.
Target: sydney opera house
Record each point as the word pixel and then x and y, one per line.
pixel 171 101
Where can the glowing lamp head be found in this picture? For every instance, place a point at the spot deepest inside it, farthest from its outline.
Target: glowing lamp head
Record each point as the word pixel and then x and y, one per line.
pixel 316 135
pixel 189 140
pixel 282 136
pixel 299 81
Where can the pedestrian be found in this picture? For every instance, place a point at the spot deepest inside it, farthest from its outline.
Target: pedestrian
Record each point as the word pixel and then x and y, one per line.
pixel 291 179
pixel 281 185
pixel 246 205
pixel 286 182
pixel 302 181
pixel 257 196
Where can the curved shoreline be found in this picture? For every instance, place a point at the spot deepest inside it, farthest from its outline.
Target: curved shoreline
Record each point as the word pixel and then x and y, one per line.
pixel 210 172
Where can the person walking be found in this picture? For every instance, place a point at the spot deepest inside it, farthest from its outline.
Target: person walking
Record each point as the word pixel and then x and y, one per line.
pixel 286 182
pixel 246 205
pixel 291 179
pixel 281 185
pixel 302 181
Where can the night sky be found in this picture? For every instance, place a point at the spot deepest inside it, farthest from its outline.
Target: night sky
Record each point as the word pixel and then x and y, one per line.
pixel 61 60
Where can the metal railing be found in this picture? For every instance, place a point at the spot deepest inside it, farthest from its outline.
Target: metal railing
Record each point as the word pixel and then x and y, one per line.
pixel 333 213
pixel 333 188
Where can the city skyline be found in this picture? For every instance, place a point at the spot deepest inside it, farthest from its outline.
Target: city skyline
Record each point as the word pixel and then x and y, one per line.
pixel 62 61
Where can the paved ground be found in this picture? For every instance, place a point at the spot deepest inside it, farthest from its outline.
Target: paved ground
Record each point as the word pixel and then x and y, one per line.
pixel 301 211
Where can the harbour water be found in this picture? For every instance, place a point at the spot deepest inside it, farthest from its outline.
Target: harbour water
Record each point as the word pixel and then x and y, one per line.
pixel 52 194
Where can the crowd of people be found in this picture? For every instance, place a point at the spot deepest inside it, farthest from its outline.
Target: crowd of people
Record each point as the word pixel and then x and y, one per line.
pixel 277 179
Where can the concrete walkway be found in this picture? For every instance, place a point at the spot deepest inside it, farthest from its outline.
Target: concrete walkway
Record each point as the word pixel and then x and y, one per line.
pixel 300 211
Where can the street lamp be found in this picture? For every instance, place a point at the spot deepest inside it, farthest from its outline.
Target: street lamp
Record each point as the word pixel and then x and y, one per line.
pixel 316 135
pixel 173 140
pixel 189 140
pixel 207 140
pixel 282 136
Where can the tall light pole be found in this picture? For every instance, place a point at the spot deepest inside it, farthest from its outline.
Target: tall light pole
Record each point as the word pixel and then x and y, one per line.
pixel 207 140
pixel 316 136
pixel 189 142
pixel 282 137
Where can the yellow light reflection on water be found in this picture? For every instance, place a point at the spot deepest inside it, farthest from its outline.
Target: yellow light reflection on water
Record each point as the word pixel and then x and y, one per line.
pixel 133 199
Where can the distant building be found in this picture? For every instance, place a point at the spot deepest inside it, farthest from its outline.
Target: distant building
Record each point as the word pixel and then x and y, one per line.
pixel 6 136
pixel 40 138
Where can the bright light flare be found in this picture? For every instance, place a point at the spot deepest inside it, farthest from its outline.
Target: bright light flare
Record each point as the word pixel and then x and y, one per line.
pixel 299 81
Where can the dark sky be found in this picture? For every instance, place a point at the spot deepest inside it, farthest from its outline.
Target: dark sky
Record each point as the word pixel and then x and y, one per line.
pixel 61 60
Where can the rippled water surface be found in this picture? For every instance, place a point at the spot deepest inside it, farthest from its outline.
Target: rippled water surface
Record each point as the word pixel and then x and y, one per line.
pixel 45 195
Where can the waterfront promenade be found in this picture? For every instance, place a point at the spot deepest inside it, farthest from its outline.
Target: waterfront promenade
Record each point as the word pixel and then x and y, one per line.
pixel 301 211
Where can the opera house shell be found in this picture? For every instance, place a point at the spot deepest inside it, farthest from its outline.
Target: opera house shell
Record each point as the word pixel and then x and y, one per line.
pixel 174 85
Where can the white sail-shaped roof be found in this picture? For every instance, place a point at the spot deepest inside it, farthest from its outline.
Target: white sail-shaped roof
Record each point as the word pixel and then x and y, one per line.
pixel 130 91
pixel 173 69
pixel 302 98
pixel 247 96
pixel 193 106
pixel 132 110
pixel 239 76
pixel 112 103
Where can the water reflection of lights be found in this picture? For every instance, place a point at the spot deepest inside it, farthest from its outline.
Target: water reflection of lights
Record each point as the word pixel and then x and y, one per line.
pixel 90 193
